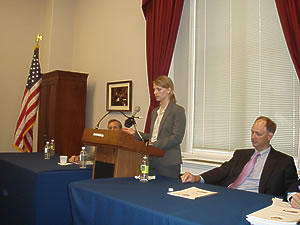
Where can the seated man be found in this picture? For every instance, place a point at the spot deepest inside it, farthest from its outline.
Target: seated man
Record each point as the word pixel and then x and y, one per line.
pixel 293 195
pixel 113 124
pixel 262 169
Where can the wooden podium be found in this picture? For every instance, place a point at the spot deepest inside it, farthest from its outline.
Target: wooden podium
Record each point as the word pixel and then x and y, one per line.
pixel 117 153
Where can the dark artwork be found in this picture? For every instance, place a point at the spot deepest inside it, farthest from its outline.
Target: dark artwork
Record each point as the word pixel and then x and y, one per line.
pixel 119 96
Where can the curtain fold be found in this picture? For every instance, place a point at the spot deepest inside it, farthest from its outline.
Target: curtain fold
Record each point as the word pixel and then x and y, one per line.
pixel 289 14
pixel 162 23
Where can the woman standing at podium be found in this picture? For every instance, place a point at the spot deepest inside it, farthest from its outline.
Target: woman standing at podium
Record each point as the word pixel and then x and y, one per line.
pixel 166 130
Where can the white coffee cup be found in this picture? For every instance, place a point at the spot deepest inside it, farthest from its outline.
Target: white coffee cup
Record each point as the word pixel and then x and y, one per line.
pixel 63 159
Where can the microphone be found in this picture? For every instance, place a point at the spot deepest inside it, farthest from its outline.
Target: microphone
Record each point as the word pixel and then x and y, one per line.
pixel 130 121
pixel 135 111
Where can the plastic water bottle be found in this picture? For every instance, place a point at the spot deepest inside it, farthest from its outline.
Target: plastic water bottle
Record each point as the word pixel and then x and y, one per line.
pixel 144 169
pixel 82 157
pixel 47 150
pixel 52 147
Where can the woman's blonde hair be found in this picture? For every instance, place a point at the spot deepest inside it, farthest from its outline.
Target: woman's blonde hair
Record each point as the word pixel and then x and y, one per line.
pixel 166 82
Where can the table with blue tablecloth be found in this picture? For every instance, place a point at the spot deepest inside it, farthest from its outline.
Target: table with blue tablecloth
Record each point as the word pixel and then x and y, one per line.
pixel 34 191
pixel 127 201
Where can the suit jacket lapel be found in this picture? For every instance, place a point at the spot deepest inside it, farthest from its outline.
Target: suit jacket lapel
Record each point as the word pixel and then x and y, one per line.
pixel 153 118
pixel 166 113
pixel 242 161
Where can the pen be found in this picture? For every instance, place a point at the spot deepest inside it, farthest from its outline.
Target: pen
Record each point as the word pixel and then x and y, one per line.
pixel 289 211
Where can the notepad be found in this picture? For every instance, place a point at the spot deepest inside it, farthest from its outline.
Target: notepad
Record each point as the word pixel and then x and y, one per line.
pixel 192 193
pixel 279 213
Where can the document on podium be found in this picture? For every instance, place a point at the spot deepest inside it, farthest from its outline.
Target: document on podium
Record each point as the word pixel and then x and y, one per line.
pixel 192 193
pixel 278 213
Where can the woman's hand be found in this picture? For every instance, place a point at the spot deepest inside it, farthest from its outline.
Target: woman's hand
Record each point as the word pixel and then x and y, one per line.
pixel 128 130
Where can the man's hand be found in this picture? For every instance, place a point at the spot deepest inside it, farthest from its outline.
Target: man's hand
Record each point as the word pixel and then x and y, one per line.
pixel 74 158
pixel 295 201
pixel 188 177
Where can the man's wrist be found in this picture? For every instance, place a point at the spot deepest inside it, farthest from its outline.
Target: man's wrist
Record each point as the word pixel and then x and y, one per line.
pixel 201 180
pixel 290 196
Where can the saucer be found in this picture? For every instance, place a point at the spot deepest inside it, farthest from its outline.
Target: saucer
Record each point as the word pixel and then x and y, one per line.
pixel 64 164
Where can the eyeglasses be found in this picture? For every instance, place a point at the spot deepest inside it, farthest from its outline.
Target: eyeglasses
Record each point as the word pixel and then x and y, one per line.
pixel 114 128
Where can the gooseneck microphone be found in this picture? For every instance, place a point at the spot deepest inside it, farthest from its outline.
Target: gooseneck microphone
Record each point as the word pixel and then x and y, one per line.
pixel 102 118
pixel 130 120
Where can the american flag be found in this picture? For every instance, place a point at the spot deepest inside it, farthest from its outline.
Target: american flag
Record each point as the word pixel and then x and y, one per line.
pixel 23 140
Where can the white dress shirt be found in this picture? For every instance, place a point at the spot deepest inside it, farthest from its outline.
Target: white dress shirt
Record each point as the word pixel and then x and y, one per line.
pixel 160 115
pixel 251 182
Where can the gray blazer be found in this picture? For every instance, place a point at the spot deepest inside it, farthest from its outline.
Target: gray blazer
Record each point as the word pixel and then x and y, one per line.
pixel 170 135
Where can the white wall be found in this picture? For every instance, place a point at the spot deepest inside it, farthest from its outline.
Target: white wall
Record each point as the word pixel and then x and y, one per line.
pixel 101 37
pixel 109 44
pixel 21 21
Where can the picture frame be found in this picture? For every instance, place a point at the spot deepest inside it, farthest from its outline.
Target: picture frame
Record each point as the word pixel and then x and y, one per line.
pixel 119 96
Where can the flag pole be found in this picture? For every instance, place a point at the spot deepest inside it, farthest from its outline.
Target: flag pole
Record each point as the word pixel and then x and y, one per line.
pixel 23 137
pixel 39 37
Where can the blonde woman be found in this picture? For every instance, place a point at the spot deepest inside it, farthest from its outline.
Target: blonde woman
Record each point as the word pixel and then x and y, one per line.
pixel 166 130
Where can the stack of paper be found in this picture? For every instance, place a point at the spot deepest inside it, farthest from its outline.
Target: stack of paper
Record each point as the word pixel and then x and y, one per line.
pixel 192 193
pixel 278 213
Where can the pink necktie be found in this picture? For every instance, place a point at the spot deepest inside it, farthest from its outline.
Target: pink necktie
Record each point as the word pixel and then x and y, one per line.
pixel 245 172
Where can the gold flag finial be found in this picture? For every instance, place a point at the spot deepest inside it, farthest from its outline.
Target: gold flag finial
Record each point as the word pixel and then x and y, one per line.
pixel 39 37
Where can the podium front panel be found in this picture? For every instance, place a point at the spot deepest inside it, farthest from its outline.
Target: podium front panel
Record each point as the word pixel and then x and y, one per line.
pixel 111 162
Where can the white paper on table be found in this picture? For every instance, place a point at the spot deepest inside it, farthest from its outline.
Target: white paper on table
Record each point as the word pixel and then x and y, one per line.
pixel 278 213
pixel 192 193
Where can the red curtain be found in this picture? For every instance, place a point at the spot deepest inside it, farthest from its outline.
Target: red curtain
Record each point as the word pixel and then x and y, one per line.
pixel 162 23
pixel 289 14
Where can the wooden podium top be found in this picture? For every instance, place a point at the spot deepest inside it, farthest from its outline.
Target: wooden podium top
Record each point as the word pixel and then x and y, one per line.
pixel 118 139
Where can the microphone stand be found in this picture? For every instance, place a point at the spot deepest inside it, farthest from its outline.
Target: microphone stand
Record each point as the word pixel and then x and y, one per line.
pixel 124 115
pixel 135 126
pixel 102 118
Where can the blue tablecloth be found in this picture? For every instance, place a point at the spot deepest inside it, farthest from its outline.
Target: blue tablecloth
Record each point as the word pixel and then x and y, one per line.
pixel 127 201
pixel 34 191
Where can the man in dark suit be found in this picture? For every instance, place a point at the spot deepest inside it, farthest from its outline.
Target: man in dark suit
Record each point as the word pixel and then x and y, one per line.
pixel 273 172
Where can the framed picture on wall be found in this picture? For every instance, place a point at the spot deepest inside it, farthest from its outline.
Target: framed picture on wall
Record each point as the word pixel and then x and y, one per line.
pixel 119 96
